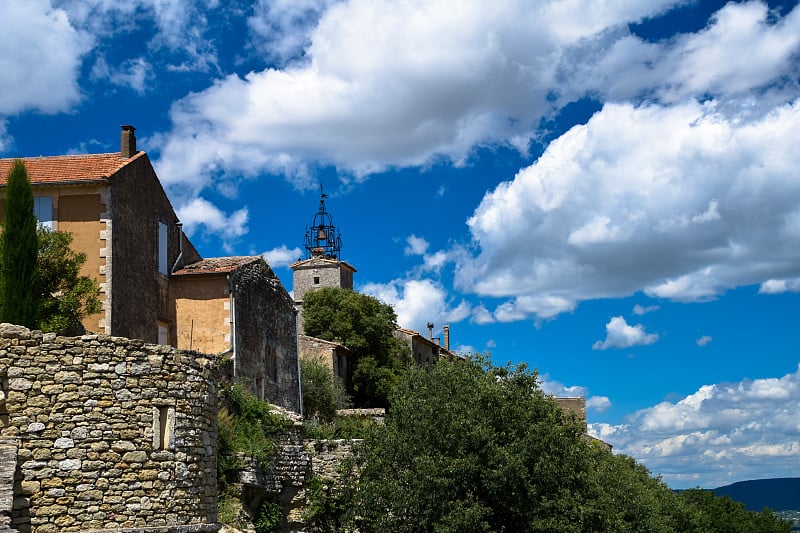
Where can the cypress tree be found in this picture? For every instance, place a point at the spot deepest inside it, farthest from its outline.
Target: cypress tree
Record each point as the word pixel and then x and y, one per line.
pixel 18 303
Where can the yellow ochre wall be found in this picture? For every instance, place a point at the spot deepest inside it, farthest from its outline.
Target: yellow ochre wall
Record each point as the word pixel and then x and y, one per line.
pixel 202 309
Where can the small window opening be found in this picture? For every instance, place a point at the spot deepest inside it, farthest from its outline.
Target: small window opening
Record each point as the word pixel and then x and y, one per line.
pixel 163 428
pixel 316 280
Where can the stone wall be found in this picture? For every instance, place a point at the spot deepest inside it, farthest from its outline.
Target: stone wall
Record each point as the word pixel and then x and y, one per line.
pixel 266 336
pixel 112 434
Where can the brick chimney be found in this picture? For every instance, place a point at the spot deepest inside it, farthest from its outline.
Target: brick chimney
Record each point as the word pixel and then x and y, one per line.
pixel 127 141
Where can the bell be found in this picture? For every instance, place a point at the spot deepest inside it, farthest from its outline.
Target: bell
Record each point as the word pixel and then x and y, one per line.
pixel 321 234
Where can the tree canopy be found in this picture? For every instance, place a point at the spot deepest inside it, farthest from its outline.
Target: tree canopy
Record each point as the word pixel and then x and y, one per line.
pixel 470 447
pixel 18 303
pixel 365 325
pixel 64 296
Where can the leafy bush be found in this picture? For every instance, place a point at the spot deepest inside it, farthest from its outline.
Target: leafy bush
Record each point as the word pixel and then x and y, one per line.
pixel 268 518
pixel 323 393
pixel 341 427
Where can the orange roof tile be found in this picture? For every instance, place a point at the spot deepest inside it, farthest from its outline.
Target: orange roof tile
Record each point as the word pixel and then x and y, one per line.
pixel 68 168
pixel 217 265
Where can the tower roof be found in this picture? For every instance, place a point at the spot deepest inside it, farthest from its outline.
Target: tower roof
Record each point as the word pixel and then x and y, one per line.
pixel 322 239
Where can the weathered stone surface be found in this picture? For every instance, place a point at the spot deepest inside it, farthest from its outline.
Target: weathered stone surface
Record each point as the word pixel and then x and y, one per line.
pixel 88 412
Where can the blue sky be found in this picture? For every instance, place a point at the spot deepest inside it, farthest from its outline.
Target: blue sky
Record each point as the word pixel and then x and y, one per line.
pixel 607 191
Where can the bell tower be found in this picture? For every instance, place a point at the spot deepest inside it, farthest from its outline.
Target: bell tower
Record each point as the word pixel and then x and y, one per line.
pixel 322 266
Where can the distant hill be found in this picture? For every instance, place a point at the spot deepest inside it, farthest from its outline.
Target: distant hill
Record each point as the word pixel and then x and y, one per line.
pixel 779 494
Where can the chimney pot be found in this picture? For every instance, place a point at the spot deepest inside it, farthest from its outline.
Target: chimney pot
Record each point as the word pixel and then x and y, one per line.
pixel 127 143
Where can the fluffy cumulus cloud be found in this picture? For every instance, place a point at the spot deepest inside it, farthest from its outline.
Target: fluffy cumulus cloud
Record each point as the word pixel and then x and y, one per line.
pixel 419 301
pixel 721 434
pixel 778 286
pixel 200 213
pixel 619 334
pixel 682 202
pixel 40 57
pixel 384 84
pixel 416 245
pixel 282 256
pixel 555 388
pixel 367 86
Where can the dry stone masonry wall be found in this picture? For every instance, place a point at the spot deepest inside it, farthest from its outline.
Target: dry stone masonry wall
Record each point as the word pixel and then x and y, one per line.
pixel 111 434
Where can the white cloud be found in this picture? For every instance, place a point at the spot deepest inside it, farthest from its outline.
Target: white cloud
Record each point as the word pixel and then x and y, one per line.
pixel 621 335
pixel 200 212
pixel 416 245
pixel 481 315
pixel 5 139
pixel 133 73
pixel 683 202
pixel 418 302
pixel 178 26
pixel 601 404
pixel 641 310
pixel 722 433
pixel 282 256
pixel 367 86
pixel 705 340
pixel 559 390
pixel 383 84
pixel 40 57
pixel 742 48
pixel 282 29
pixel 778 286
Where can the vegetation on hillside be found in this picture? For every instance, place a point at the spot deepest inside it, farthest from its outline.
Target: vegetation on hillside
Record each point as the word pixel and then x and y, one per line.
pixel 469 447
pixel 247 426
pixel 39 273
pixel 364 325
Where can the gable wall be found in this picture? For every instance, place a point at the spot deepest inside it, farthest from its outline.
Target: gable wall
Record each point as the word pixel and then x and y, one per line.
pixel 202 313
pixel 266 336
pixel 140 293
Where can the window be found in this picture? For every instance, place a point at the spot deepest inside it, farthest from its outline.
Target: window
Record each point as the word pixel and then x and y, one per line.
pixel 43 209
pixel 162 248
pixel 316 280
pixel 163 428
pixel 163 334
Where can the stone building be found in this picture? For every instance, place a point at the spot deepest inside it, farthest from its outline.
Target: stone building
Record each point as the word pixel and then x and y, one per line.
pixel 154 284
pixel 425 351
pixel 237 306
pixel 120 217
pixel 105 433
pixel 334 356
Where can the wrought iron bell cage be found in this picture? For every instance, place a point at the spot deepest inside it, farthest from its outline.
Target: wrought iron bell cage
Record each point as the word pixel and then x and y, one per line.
pixel 322 239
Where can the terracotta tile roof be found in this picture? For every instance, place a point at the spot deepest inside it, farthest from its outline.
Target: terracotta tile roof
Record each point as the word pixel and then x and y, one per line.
pixel 319 261
pixel 217 265
pixel 68 168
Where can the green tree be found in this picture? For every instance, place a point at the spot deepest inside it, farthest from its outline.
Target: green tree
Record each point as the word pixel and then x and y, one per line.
pixel 18 303
pixel 364 325
pixel 64 296
pixel 471 447
pixel 323 393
